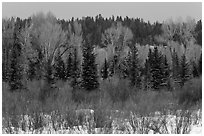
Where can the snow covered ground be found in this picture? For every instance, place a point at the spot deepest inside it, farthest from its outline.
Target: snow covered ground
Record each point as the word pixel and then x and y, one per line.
pixel 165 124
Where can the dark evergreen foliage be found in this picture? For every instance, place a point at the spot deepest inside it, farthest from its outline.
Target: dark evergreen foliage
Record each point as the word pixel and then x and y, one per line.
pixel 60 68
pixel 195 71
pixel 48 75
pixel 166 73
pixel 134 72
pixel 89 68
pixel 147 75
pixel 200 65
pixel 198 32
pixel 156 68
pixel 31 70
pixel 184 70
pixel 75 71
pixel 175 65
pixel 69 67
pixel 15 74
pixel 104 72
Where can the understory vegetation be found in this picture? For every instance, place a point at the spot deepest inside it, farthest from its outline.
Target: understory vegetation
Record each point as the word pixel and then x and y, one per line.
pixel 109 103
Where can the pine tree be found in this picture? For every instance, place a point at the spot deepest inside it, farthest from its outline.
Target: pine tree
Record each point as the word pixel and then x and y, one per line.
pixel 165 69
pixel 75 71
pixel 15 75
pixel 89 68
pixel 49 77
pixel 175 65
pixel 134 73
pixel 31 70
pixel 200 65
pixel 156 69
pixel 69 67
pixel 60 68
pixel 104 71
pixel 147 75
pixel 195 71
pixel 184 71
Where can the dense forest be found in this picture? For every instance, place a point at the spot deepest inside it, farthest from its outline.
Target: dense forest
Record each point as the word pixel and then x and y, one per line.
pixel 51 64
pixel 87 50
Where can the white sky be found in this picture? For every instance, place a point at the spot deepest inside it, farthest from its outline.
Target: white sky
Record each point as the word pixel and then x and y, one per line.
pixel 152 11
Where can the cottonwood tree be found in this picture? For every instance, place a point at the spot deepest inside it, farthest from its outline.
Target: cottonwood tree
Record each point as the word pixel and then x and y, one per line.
pixel 49 37
pixel 177 35
pixel 116 40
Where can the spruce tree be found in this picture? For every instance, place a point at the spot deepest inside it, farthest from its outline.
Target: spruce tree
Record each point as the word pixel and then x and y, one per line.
pixel 60 68
pixel 89 68
pixel 69 67
pixel 200 65
pixel 104 71
pixel 156 69
pixel 147 75
pixel 31 70
pixel 75 70
pixel 175 65
pixel 134 73
pixel 15 75
pixel 184 70
pixel 165 69
pixel 195 71
pixel 49 77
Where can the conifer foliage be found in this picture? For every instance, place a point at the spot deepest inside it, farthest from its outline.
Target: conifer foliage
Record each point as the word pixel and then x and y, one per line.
pixel 165 69
pixel 200 65
pixel 74 70
pixel 89 68
pixel 156 68
pixel 15 75
pixel 184 70
pixel 60 68
pixel 175 65
pixel 69 67
pixel 104 72
pixel 134 72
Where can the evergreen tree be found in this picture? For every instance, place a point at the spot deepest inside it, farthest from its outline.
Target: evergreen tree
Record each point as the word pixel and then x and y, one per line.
pixel 60 68
pixel 15 75
pixel 165 69
pixel 156 69
pixel 175 65
pixel 74 70
pixel 31 70
pixel 89 68
pixel 134 73
pixel 104 71
pixel 200 65
pixel 184 71
pixel 195 71
pixel 49 77
pixel 147 75
pixel 69 67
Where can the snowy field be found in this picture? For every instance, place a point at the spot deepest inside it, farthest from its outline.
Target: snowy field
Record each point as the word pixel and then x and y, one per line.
pixel 178 123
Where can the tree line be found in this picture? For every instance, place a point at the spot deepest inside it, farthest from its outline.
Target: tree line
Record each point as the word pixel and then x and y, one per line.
pixel 43 47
